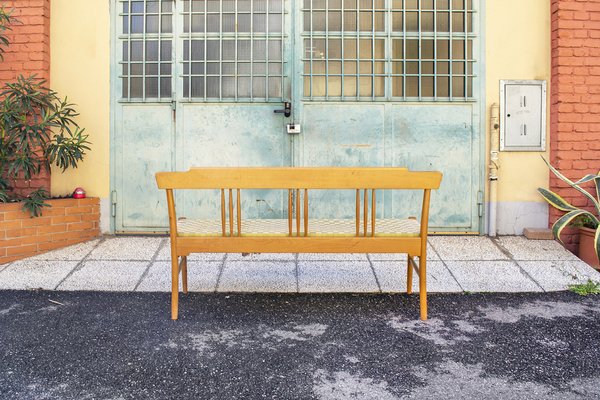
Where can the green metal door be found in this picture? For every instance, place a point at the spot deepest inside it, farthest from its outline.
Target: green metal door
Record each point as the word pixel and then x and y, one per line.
pixel 198 83
pixel 393 83
pixel 371 83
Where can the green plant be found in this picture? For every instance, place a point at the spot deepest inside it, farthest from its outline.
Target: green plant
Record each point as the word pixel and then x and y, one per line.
pixel 37 130
pixel 583 289
pixel 575 215
pixel 6 19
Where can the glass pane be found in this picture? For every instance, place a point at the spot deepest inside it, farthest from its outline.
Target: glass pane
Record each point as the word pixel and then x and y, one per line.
pixel 137 50
pixel 197 86
pixel 137 24
pixel 397 22
pixel 443 86
pixel 458 86
pixel 259 87
pixel 379 86
pixel 334 86
pixel 228 86
pixel 335 21
pixel 274 22
pixel 151 87
pixel 260 22
pixel 458 22
pixel 136 87
pixel 152 69
pixel 427 86
pixel 165 87
pixel 412 86
pixel 152 24
pixel 229 23
pixel 366 86
pixel 212 24
pixel 318 86
pixel 412 22
pixel 397 86
pixel 165 50
pixel 350 86
pixel 334 48
pixel 427 22
pixel 166 22
pixel 349 21
pixel 275 87
pixel 443 22
pixel 228 50
pixel 244 87
pixel 212 86
pixel 366 21
pixel 275 50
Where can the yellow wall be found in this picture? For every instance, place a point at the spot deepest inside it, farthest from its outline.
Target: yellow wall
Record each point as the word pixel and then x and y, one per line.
pixel 80 70
pixel 518 45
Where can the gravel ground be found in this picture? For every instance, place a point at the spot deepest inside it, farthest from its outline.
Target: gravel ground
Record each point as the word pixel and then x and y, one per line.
pixel 91 345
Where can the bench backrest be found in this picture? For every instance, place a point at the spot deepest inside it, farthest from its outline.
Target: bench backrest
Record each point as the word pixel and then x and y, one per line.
pixel 299 178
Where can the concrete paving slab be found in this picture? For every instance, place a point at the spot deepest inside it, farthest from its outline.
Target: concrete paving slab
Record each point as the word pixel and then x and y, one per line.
pixel 4 266
pixel 70 253
pixel 491 276
pixel 558 275
pixel 465 248
pixel 524 249
pixel 202 277
pixel 126 248
pixel 165 254
pixel 336 277
pixel 263 276
pixel 392 278
pixel 105 276
pixel 29 274
pixel 261 257
pixel 431 255
pixel 332 257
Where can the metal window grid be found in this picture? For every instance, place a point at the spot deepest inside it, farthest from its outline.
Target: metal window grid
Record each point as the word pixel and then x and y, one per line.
pixel 452 22
pixel 146 76
pixel 266 73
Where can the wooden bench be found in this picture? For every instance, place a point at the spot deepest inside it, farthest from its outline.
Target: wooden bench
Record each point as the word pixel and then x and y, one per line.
pixel 298 233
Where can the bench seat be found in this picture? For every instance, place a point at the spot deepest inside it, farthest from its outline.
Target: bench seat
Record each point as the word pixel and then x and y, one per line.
pixel 316 227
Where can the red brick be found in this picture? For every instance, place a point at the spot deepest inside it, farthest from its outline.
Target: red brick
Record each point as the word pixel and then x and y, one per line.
pixel 66 219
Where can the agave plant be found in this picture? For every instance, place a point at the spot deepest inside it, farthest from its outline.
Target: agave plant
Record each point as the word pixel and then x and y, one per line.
pixel 572 213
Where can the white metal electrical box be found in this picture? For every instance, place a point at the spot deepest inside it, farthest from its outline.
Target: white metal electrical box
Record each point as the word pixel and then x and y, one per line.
pixel 522 115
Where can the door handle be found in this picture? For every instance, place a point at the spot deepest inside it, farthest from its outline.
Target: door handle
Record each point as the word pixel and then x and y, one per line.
pixel 287 109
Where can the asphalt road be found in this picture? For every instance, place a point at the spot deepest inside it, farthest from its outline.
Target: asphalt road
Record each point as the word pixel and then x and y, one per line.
pixel 87 345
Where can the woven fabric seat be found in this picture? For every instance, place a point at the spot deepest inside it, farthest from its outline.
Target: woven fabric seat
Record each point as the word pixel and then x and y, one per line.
pixel 316 227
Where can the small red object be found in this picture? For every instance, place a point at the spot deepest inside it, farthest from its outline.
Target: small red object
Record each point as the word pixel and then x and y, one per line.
pixel 79 193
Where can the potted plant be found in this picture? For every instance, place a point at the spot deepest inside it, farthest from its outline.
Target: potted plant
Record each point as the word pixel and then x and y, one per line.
pixel 586 221
pixel 37 130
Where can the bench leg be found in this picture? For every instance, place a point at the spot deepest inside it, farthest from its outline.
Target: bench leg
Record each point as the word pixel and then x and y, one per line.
pixel 423 286
pixel 184 279
pixel 409 275
pixel 174 287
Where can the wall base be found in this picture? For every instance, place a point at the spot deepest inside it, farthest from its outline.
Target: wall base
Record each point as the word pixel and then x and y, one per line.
pixel 513 217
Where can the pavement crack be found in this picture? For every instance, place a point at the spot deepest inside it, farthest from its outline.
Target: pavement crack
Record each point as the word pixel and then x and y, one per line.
pixel 80 263
pixel 511 257
pixel 152 261
pixel 221 269
pixel 374 273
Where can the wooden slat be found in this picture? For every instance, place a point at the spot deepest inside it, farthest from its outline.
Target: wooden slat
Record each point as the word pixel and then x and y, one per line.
pixel 290 211
pixel 238 206
pixel 366 212
pixel 297 212
pixel 357 212
pixel 305 212
pixel 373 212
pixel 310 244
pixel 299 178
pixel 223 219
pixel 230 213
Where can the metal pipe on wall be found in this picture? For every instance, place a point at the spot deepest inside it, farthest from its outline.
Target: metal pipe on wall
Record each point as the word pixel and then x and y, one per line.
pixel 494 167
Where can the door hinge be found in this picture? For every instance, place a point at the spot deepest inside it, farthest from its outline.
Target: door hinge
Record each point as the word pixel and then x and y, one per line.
pixel 113 202
pixel 480 203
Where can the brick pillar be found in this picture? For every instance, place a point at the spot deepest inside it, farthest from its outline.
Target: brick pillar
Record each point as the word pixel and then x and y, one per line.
pixel 28 54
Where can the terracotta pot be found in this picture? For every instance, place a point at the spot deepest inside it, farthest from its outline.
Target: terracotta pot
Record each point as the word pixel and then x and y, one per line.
pixel 586 247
